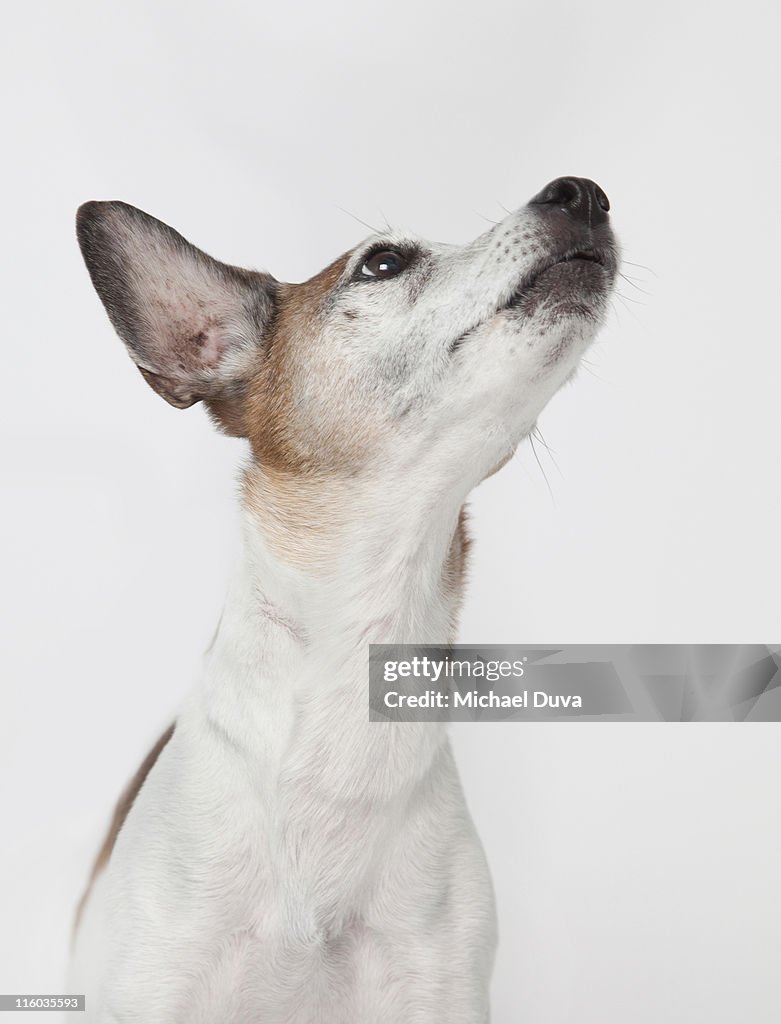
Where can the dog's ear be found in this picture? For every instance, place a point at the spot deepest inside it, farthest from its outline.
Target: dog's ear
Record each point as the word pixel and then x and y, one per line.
pixel 194 327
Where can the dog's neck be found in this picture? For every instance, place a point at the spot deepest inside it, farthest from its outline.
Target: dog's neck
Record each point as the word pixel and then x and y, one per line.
pixel 355 561
pixel 328 568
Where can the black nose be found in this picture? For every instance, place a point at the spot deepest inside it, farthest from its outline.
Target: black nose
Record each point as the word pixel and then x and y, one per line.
pixel 581 198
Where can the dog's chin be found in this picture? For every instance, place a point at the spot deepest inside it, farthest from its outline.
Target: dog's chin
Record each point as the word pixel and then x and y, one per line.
pixel 574 288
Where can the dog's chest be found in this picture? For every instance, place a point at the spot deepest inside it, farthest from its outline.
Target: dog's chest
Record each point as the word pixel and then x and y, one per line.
pixel 277 857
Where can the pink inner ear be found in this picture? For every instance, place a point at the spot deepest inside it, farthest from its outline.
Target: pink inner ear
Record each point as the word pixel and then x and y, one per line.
pixel 210 345
pixel 190 349
pixel 185 348
pixel 192 315
pixel 193 346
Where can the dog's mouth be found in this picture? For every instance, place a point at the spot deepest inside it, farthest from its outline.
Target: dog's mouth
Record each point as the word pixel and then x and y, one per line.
pixel 577 282
pixel 576 259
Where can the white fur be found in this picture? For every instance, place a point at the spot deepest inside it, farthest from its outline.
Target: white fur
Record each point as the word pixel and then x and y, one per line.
pixel 287 860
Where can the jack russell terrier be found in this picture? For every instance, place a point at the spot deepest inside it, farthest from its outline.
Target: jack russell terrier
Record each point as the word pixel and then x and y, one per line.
pixel 278 858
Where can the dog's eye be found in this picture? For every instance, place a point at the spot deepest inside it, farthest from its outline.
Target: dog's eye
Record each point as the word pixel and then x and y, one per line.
pixel 386 263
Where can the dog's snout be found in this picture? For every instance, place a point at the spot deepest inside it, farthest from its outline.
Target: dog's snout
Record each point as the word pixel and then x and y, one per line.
pixel 581 198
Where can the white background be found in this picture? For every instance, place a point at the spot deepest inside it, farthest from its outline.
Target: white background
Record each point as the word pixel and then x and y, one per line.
pixel 637 867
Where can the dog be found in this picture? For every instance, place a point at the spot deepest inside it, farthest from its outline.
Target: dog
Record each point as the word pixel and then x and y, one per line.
pixel 278 857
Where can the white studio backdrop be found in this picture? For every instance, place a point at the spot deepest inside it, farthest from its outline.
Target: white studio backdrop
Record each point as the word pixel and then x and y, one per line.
pixel 636 866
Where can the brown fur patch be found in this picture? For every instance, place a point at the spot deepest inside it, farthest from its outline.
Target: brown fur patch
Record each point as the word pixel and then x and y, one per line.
pixel 264 410
pixel 121 811
pixel 299 515
pixel 271 397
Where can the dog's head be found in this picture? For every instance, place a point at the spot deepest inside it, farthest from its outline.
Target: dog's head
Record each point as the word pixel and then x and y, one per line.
pixel 401 349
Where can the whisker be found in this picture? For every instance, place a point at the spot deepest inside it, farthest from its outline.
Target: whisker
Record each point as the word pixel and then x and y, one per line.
pixel 631 277
pixel 588 367
pixel 538 434
pixel 551 453
pixel 630 282
pixel 640 265
pixel 482 216
pixel 629 309
pixel 628 298
pixel 365 223
pixel 544 474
